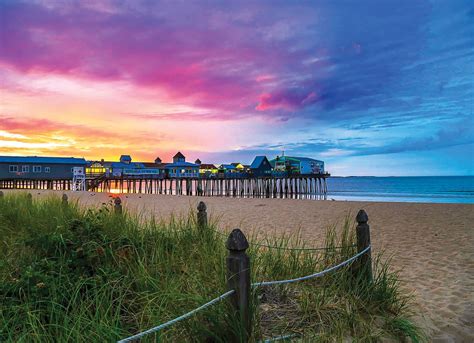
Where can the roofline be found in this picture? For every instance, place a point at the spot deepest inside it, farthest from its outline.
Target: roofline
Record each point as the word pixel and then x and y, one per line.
pixel 42 159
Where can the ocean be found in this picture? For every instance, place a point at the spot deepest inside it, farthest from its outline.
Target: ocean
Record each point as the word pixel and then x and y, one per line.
pixel 439 189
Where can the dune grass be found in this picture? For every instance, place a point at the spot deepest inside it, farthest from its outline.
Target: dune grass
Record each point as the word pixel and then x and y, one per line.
pixel 69 274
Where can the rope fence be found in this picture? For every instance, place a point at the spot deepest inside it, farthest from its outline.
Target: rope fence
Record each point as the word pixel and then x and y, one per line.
pixel 177 319
pixel 280 338
pixel 311 276
pixel 302 249
pixel 238 277
pixel 256 284
pixel 290 249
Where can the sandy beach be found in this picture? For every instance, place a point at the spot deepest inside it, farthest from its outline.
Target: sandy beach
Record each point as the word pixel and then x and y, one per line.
pixel 432 245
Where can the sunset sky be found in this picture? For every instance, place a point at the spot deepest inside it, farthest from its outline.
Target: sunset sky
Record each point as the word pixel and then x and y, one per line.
pixel 370 87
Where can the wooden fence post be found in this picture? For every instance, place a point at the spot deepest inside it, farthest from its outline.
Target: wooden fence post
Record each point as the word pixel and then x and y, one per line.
pixel 1 194
pixel 202 215
pixel 363 241
pixel 64 199
pixel 238 279
pixel 118 205
pixel 29 198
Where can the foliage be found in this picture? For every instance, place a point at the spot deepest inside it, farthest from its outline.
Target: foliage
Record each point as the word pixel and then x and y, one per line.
pixel 83 275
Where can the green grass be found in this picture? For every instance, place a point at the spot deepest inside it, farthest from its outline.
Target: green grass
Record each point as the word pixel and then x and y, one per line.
pixel 69 274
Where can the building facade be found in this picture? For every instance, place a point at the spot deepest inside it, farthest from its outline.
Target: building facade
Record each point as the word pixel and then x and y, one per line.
pixel 208 170
pixel 96 168
pixel 310 166
pixel 127 168
pixel 182 169
pixel 39 168
pixel 297 165
pixel 260 167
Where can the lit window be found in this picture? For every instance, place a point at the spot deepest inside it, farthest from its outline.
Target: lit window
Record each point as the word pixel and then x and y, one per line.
pixel 36 169
pixel 25 169
pixel 13 169
pixel 47 169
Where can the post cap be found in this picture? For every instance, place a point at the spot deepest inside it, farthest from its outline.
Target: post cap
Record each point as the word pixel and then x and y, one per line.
pixel 117 201
pixel 362 217
pixel 201 206
pixel 237 241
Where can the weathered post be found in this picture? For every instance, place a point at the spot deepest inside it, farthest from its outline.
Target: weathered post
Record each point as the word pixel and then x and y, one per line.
pixel 238 279
pixel 118 205
pixel 29 198
pixel 1 194
pixel 64 200
pixel 202 215
pixel 363 241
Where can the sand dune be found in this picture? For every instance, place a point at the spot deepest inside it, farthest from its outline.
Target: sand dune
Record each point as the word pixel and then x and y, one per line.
pixel 432 244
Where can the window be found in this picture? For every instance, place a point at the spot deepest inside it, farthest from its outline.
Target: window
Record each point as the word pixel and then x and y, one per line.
pixel 47 169
pixel 36 169
pixel 25 169
pixel 13 169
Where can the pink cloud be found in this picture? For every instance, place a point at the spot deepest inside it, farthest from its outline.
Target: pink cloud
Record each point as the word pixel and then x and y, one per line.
pixel 40 127
pixel 217 64
pixel 264 78
pixel 285 100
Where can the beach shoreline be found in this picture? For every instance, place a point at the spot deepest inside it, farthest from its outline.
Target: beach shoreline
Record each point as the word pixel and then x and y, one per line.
pixel 430 244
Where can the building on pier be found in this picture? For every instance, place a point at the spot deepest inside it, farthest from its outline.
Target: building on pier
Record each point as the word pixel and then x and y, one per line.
pixel 260 167
pixel 297 165
pixel 125 159
pixel 232 170
pixel 39 168
pixel 95 168
pixel 208 169
pixel 182 169
pixel 228 168
pixel 126 168
pixel 137 169
pixel 155 169
pixel 241 168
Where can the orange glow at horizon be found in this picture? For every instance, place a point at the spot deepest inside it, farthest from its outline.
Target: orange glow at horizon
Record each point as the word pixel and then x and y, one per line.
pixel 64 116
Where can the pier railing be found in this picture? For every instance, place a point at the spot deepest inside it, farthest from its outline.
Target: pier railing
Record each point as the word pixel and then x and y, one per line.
pixel 240 285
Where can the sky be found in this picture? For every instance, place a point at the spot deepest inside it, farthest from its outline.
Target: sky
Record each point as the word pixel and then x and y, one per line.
pixel 370 87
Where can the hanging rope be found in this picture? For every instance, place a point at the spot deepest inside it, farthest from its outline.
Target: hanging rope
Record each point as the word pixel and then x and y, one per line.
pixel 315 275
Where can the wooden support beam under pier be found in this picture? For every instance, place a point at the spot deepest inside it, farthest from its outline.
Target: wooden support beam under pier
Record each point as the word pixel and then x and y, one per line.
pixel 302 186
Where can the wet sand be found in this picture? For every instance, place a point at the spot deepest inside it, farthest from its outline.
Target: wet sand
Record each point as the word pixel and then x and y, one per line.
pixel 432 245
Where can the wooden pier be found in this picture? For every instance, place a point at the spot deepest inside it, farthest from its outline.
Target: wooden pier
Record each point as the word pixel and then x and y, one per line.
pixel 297 186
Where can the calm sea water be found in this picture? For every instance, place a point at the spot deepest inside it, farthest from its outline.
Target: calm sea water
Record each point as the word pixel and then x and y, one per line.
pixel 446 189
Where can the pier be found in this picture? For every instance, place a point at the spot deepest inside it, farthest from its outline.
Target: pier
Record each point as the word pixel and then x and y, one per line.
pixel 295 186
